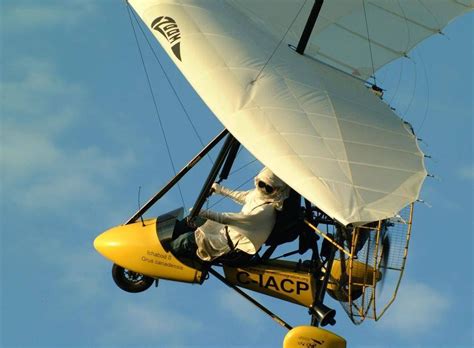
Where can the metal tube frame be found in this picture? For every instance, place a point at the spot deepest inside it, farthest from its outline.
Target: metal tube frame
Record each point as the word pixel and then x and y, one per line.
pixel 229 142
pixel 321 290
pixel 251 299
pixel 178 177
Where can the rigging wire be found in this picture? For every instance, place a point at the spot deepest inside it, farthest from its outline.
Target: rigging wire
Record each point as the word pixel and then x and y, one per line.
pixel 414 65
pixel 370 43
pixel 154 101
pixel 406 49
pixel 208 206
pixel 244 166
pixel 427 94
pixel 169 82
pixel 395 92
pixel 279 44
pixel 413 93
pixel 235 189
pixel 438 24
pixel 427 107
pixel 242 184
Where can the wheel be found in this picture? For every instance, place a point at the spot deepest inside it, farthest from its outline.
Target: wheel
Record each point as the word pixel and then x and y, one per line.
pixel 130 281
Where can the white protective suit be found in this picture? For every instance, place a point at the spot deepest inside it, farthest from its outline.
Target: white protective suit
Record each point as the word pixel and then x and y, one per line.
pixel 247 230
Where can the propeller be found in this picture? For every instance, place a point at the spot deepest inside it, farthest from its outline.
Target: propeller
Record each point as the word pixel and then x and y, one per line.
pixel 384 259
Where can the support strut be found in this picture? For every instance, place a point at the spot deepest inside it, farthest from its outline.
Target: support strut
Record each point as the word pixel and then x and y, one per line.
pixel 313 16
pixel 229 142
pixel 252 300
pixel 178 176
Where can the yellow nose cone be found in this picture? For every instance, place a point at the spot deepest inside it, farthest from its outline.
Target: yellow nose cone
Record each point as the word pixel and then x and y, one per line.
pixel 124 243
pixel 110 242
pixel 137 247
pixel 101 243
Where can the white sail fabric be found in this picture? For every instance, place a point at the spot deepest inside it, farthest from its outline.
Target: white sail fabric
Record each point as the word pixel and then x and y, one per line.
pixel 320 130
pixel 342 31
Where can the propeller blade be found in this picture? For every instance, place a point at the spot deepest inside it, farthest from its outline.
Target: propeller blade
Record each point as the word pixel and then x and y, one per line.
pixel 384 259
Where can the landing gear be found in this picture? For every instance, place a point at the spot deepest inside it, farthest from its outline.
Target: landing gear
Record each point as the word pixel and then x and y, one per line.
pixel 130 281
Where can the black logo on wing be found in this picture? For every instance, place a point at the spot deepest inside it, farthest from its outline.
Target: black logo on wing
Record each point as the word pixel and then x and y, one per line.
pixel 167 27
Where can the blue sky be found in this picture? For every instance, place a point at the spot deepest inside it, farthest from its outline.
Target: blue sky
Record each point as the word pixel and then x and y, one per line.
pixel 79 135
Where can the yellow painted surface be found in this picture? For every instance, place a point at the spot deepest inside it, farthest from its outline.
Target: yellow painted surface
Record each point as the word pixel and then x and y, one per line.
pixel 280 279
pixel 362 276
pixel 361 273
pixel 310 336
pixel 137 248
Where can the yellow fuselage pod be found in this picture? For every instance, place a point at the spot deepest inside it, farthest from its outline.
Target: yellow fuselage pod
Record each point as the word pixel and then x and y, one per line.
pixel 361 276
pixel 361 273
pixel 137 247
pixel 282 279
pixel 310 336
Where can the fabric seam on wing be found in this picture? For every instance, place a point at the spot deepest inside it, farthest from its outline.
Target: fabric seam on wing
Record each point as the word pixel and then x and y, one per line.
pixel 354 142
pixel 304 114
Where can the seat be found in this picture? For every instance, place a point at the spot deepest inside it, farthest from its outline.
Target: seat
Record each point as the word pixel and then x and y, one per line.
pixel 286 219
pixel 289 225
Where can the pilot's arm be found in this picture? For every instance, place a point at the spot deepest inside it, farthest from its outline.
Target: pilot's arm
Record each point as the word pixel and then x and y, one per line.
pixel 248 221
pixel 236 196
pixel 222 218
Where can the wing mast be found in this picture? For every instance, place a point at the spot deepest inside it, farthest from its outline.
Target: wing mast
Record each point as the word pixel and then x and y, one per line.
pixel 308 29
pixel 178 176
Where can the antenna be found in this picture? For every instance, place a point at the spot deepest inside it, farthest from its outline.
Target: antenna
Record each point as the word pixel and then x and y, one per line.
pixel 139 205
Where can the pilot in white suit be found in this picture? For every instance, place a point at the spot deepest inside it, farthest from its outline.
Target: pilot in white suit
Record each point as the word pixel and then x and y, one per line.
pixel 245 231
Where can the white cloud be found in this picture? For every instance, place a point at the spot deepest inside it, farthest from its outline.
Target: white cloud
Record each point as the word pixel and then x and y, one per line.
pixel 240 308
pixel 22 152
pixel 25 16
pixel 59 178
pixel 466 172
pixel 417 309
pixel 147 322
pixel 436 198
pixel 76 265
pixel 42 166
pixel 34 89
pixel 151 323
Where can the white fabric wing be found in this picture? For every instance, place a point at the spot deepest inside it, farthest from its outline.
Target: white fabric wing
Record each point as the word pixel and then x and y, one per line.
pixel 320 130
pixel 342 31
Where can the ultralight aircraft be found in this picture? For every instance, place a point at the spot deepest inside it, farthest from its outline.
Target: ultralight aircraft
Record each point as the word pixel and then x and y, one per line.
pixel 294 83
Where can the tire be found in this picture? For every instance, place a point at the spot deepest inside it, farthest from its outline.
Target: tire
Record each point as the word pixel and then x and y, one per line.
pixel 130 281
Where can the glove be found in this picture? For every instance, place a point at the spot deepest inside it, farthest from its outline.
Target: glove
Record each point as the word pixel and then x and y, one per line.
pixel 208 214
pixel 216 188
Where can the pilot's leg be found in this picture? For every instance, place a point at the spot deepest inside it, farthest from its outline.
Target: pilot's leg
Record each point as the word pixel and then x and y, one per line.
pixel 184 245
pixel 182 227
